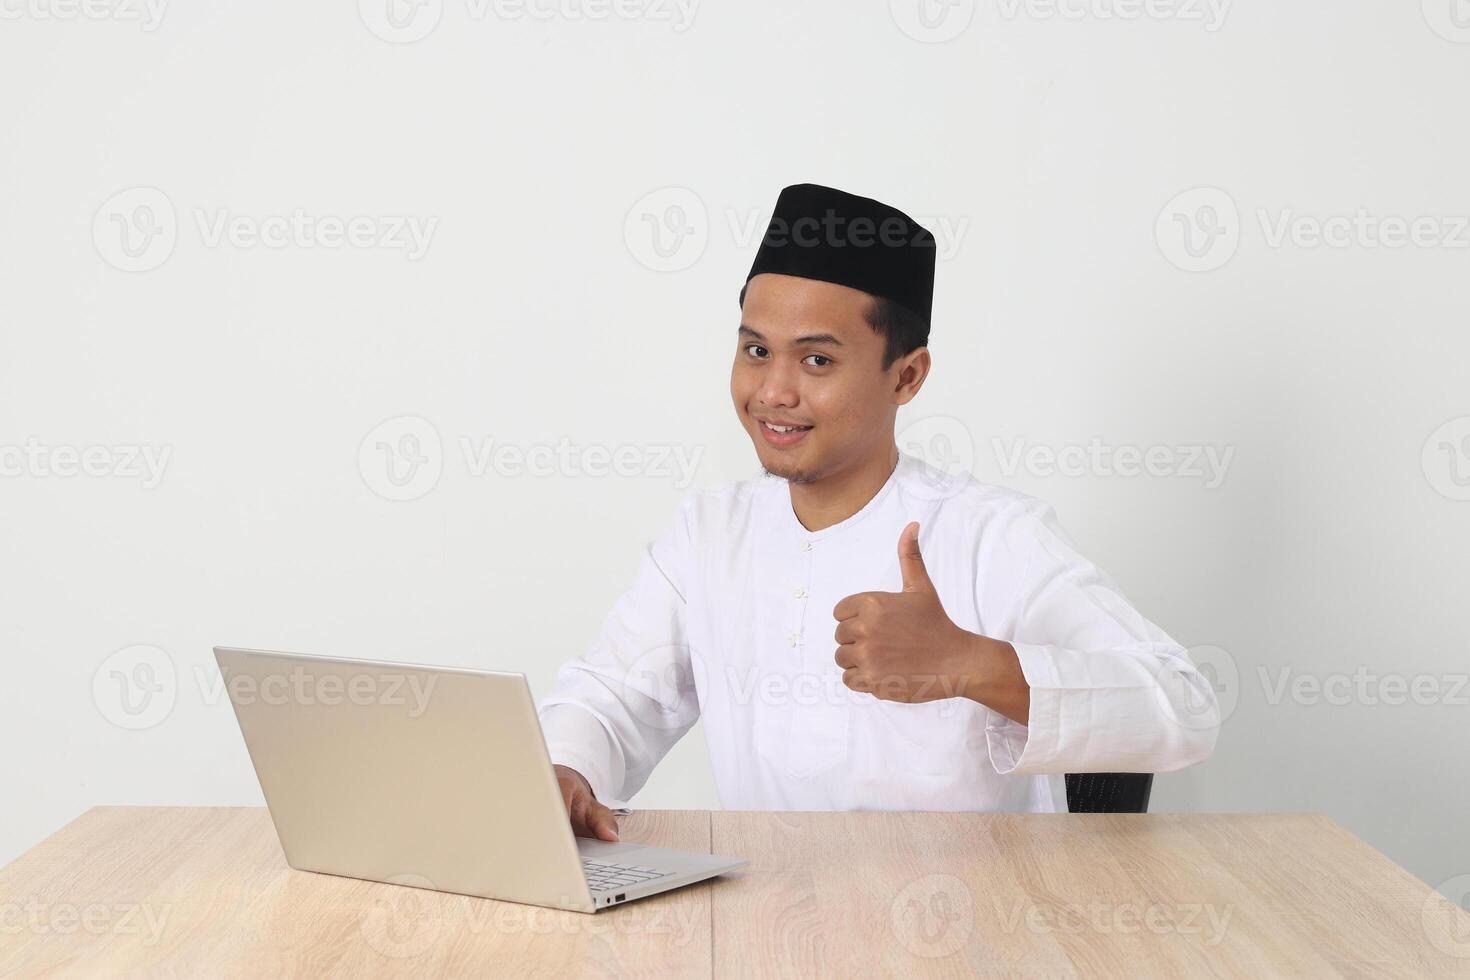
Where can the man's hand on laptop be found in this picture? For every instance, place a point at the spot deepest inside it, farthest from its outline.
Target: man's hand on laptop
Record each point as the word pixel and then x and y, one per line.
pixel 589 818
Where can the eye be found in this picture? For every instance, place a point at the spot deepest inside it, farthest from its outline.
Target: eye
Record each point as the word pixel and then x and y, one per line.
pixel 756 350
pixel 821 358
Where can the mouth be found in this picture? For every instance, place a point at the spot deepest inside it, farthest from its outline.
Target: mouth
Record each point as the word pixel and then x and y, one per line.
pixel 782 435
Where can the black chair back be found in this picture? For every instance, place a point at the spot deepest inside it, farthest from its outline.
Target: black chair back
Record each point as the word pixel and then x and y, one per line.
pixel 1108 792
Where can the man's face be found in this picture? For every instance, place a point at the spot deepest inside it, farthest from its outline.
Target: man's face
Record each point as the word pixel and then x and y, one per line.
pixel 807 357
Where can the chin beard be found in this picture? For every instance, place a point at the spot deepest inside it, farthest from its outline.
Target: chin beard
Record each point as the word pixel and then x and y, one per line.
pixel 793 476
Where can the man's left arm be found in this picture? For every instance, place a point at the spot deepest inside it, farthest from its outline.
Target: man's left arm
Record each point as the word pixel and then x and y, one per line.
pixel 1078 679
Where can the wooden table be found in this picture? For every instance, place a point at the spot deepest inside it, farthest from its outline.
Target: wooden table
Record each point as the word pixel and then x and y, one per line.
pixel 205 892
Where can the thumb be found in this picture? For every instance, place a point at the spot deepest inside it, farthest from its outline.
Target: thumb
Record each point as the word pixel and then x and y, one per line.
pixel 911 561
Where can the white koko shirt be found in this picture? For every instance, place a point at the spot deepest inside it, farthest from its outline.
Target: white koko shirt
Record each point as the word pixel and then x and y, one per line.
pixel 730 619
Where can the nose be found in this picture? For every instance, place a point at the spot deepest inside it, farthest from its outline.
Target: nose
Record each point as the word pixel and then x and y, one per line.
pixel 778 387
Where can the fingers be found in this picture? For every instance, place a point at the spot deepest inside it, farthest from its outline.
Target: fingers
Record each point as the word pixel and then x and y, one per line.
pixel 580 813
pixel 592 819
pixel 846 631
pixel 601 823
pixel 854 605
pixel 911 561
pixel 588 817
pixel 844 657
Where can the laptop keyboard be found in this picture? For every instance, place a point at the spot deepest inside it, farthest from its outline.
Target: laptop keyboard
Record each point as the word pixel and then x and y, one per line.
pixel 606 877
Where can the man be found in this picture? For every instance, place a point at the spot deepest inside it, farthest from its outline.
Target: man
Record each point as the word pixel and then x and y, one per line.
pixel 857 629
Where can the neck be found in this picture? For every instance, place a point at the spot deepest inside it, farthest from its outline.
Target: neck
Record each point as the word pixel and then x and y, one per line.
pixel 837 496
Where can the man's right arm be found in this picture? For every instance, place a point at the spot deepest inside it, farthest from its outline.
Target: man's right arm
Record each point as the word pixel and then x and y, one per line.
pixel 615 711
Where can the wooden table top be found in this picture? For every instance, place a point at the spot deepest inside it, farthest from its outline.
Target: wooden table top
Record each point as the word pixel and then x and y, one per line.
pixel 205 891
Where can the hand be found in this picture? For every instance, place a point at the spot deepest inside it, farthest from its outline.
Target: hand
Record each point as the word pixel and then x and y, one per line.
pixel 589 818
pixel 902 646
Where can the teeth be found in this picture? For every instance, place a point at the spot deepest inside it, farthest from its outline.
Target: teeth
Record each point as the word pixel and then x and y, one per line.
pixel 784 428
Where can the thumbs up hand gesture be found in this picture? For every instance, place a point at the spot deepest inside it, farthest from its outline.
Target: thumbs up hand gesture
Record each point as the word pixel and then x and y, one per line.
pixel 902 646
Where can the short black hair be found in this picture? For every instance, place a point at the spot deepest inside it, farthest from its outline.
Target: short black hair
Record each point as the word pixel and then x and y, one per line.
pixel 903 331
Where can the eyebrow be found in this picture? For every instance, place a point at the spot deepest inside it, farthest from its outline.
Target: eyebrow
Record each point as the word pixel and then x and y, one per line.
pixel 811 338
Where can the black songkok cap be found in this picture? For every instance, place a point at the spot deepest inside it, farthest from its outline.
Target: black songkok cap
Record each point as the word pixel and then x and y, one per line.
pixel 822 233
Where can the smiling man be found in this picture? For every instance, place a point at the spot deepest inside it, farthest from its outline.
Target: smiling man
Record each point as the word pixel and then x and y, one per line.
pixel 857 629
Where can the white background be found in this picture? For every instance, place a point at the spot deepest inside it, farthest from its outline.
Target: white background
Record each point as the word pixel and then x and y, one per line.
pixel 1054 147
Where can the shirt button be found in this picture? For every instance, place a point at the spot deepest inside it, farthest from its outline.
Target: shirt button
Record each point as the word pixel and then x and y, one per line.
pixel 793 639
pixel 799 592
pixel 806 546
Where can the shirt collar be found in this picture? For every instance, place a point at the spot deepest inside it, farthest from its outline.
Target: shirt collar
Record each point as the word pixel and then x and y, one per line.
pixel 793 526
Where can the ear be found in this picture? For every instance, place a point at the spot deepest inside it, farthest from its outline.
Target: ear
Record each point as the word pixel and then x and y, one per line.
pixel 912 369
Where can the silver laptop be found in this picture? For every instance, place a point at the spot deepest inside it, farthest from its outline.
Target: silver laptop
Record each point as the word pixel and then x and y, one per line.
pixel 431 777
